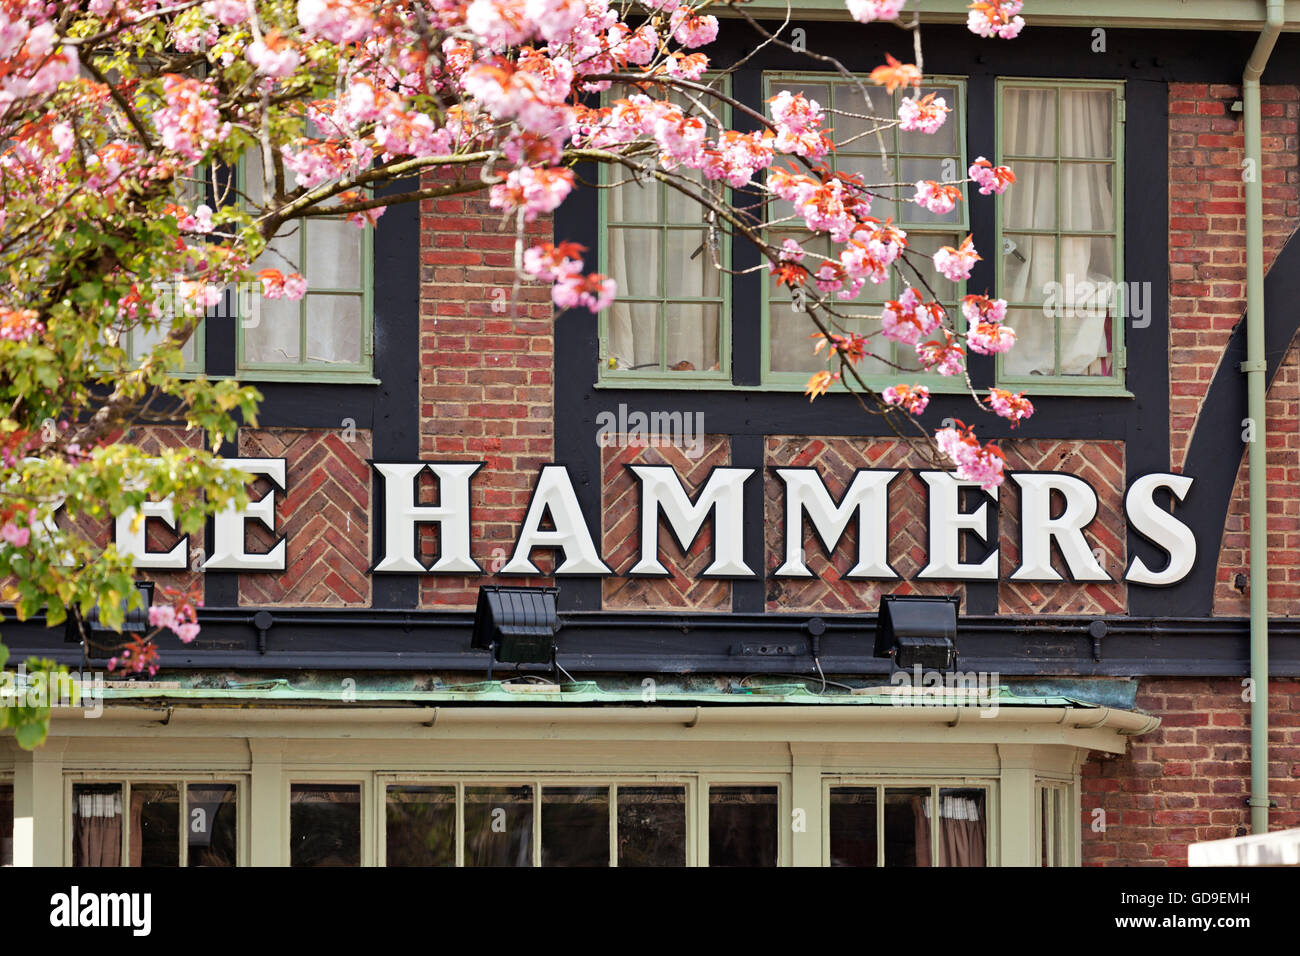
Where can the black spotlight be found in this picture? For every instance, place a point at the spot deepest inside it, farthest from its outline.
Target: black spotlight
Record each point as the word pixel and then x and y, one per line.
pixel 517 625
pixel 918 631
pixel 133 621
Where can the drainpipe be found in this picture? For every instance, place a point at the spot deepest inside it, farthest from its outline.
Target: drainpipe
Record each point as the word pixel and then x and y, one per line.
pixel 1256 368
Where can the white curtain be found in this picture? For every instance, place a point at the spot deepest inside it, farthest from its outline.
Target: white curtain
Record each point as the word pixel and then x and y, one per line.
pixel 1087 203
pixel 690 329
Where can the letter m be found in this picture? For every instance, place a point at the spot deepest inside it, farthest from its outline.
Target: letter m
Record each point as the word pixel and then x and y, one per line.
pixel 722 496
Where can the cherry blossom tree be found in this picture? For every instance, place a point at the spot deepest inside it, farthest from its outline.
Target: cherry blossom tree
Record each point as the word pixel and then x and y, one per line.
pixel 121 221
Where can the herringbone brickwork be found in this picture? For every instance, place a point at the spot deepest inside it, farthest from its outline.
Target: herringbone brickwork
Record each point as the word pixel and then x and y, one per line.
pixel 685 589
pixel 325 513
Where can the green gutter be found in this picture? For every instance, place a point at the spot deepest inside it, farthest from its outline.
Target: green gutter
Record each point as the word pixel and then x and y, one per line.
pixel 1256 369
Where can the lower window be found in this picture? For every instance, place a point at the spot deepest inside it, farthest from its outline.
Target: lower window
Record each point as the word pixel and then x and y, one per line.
pixel 932 825
pixel 155 824
pixel 6 824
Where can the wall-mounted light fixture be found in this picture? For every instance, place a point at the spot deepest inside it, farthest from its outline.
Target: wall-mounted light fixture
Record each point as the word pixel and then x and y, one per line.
pixel 913 630
pixel 517 625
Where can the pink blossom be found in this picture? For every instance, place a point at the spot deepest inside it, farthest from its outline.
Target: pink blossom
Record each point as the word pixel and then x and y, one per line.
pixel 936 197
pixel 913 398
pixel 163 616
pixel 996 18
pixel 278 60
pixel 980 464
pixel 989 338
pixel 922 114
pixel 865 11
pixel 943 357
pixel 295 286
pixel 339 21
pixel 19 325
pixel 955 264
pixel 199 221
pixel 594 291
pixel 553 262
pixel 1009 405
pixel 991 179
pixel 189 123
pixel 691 29
pixel 14 535
pixel 535 191
pixel 187 632
pixel 908 319
pixel 228 12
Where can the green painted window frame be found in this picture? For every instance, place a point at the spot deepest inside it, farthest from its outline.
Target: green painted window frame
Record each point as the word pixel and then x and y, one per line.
pixel 360 373
pixel 939 384
pixel 662 377
pixel 1090 385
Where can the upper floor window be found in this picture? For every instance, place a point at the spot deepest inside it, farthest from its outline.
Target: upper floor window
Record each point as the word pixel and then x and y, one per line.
pixel 1059 242
pixel 671 320
pixel 879 157
pixel 329 331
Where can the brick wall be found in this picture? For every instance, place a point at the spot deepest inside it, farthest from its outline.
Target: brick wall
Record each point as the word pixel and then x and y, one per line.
pixel 1188 781
pixel 486 376
pixel 1207 230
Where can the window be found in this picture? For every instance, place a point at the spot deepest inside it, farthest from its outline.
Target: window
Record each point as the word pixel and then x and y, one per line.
pixel 328 333
pixel 671 321
pixel 743 826
pixel 908 158
pixel 907 826
pixel 1059 233
pixel 1053 823
pixel 496 823
pixel 155 831
pixel 325 825
pixel 6 824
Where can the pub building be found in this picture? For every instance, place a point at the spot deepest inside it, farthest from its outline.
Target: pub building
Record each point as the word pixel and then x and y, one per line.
pixel 526 589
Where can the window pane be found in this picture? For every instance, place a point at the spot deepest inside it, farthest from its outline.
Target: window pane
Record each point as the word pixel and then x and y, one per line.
pixel 632 201
pixel 853 826
pixel 691 337
pixel 6 824
pixel 1059 826
pixel 941 142
pixel 325 825
pixel 868 106
pixel 421 826
pixel 334 329
pixel 633 335
pixel 334 254
pixel 1031 204
pixel 1029 123
pixel 499 826
pixel 679 207
pixel 927 244
pixel 1045 825
pixel 907 833
pixel 742 826
pixel 1028 267
pixel 1085 344
pixel 155 832
pixel 1035 349
pixel 575 826
pixel 913 171
pixel 634 261
pixel 963 827
pixel 96 824
pixel 1087 122
pixel 651 826
pixel 686 276
pixel 792 349
pixel 271 331
pixel 213 814
pixel 1087 202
